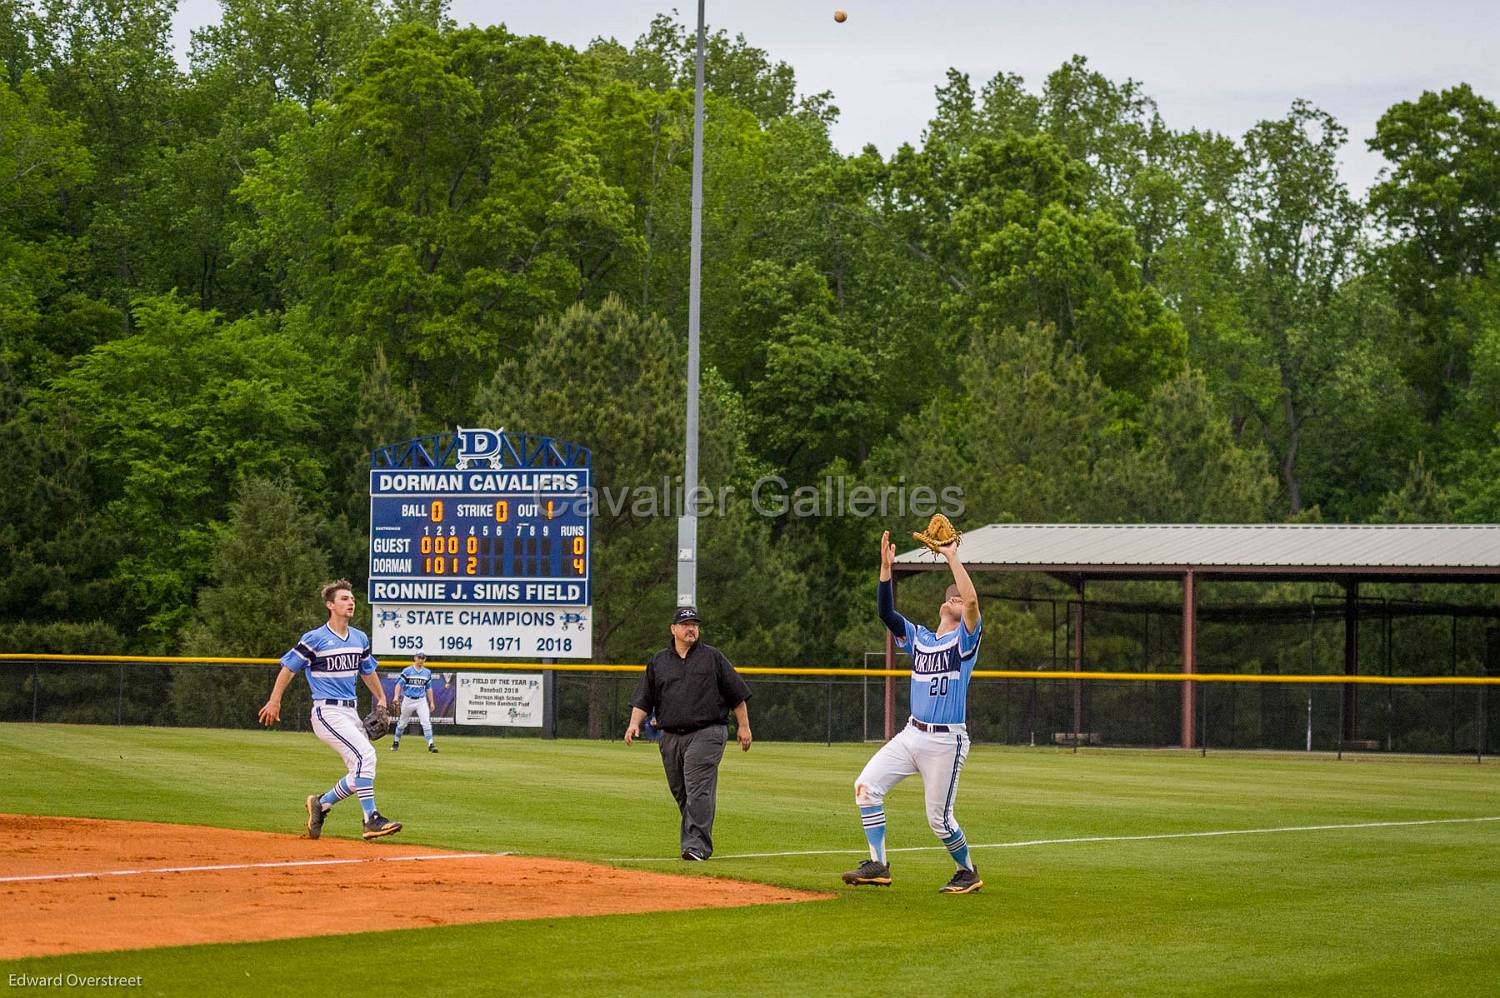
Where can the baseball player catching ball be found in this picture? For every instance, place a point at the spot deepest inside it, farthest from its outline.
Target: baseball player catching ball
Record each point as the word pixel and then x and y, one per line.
pixel 414 690
pixel 935 741
pixel 332 656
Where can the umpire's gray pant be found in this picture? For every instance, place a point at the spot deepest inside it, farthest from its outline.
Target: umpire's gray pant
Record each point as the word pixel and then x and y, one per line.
pixel 692 765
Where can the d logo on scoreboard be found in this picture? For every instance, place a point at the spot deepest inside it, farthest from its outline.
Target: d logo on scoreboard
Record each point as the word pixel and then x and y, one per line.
pixel 480 447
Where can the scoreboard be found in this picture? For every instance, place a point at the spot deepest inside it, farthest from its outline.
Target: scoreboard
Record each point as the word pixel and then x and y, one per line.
pixel 487 561
pixel 515 536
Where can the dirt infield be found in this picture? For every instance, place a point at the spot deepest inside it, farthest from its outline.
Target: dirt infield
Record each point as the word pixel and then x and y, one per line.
pixel 74 885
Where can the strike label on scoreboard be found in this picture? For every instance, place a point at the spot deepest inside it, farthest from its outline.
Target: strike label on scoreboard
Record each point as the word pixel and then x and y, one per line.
pixel 500 631
pixel 513 536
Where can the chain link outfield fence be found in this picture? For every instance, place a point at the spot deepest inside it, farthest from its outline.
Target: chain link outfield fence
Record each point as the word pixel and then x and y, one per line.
pixel 1450 649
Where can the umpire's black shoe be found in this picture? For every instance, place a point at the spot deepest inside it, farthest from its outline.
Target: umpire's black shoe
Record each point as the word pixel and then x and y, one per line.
pixel 869 872
pixel 376 825
pixel 965 881
pixel 693 857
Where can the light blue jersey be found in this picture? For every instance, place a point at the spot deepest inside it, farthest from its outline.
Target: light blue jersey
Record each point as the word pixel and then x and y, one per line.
pixel 332 663
pixel 414 681
pixel 940 670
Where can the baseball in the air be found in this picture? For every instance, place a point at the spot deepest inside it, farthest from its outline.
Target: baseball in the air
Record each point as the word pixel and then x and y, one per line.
pixel 839 16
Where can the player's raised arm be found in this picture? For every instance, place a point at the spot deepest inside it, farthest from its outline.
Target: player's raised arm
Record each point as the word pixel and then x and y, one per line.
pixel 885 593
pixel 964 583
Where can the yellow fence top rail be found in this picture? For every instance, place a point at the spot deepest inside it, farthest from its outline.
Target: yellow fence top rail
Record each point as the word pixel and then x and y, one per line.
pixel 1150 677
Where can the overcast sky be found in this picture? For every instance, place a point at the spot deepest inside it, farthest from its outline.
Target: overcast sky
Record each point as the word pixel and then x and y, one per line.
pixel 1211 65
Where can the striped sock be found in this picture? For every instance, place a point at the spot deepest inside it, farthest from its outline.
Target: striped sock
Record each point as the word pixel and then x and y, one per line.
pixel 874 820
pixel 958 846
pixel 365 787
pixel 340 790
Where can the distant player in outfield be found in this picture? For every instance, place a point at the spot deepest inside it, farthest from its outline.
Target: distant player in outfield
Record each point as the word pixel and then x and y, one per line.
pixel 935 742
pixel 414 693
pixel 332 656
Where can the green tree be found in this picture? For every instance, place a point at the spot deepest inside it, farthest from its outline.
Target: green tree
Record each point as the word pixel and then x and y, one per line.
pixel 1301 231
pixel 810 392
pixel 109 63
pixel 300 52
pixel 1439 200
pixel 175 415
pixel 1264 273
pixel 664 58
pixel 1420 499
pixel 1189 469
pixel 449 199
pixel 43 163
pixel 1038 254
pixel 267 565
pixel 55 558
pixel 612 355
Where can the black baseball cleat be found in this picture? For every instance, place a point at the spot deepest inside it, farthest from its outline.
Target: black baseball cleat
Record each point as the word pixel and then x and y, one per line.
pixel 869 872
pixel 315 815
pixel 395 746
pixel 693 857
pixel 431 747
pixel 965 881
pixel 377 825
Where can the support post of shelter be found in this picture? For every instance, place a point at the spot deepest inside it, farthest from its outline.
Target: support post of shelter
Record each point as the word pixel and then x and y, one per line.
pixel 1189 657
pixel 1351 659
pixel 890 681
pixel 1078 663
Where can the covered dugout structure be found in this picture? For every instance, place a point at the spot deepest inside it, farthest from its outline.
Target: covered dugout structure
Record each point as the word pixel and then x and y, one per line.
pixel 1192 554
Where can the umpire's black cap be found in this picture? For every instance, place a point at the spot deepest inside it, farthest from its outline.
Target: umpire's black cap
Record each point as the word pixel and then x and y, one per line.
pixel 686 615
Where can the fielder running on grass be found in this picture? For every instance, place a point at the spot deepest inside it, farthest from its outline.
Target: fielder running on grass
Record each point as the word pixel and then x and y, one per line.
pixel 414 690
pixel 935 742
pixel 332 656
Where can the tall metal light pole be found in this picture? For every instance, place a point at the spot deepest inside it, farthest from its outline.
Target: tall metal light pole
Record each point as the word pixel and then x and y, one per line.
pixel 687 522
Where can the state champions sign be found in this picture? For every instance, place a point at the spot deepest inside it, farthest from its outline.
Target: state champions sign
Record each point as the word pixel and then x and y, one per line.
pixel 480 546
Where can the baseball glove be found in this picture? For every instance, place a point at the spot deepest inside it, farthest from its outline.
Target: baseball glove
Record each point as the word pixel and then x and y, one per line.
pixel 939 532
pixel 377 723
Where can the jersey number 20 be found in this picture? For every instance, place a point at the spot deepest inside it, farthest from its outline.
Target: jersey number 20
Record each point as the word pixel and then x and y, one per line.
pixel 938 687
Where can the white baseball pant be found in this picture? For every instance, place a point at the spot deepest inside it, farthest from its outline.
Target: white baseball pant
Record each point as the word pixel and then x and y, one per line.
pixel 341 730
pixel 415 706
pixel 938 756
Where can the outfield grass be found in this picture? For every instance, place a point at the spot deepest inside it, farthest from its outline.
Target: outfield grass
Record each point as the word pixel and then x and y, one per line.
pixel 1392 910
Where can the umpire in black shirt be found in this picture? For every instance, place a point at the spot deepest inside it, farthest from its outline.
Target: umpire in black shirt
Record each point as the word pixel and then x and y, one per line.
pixel 691 686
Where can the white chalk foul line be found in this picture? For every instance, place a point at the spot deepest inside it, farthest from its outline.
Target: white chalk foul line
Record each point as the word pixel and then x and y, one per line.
pixel 249 866
pixel 1086 839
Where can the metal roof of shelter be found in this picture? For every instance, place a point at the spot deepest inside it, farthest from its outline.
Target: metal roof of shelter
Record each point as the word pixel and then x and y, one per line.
pixel 1384 552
